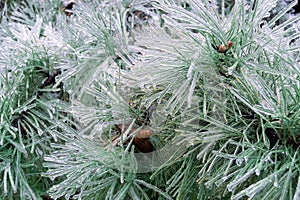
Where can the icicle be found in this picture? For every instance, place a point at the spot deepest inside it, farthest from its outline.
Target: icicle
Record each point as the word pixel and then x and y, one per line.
pixel 269 158
pixel 191 91
pixel 192 66
pixel 12 181
pixel 7 167
pixel 276 184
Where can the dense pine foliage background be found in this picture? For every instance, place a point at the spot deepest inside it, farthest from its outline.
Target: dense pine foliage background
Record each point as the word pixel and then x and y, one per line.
pixel 160 99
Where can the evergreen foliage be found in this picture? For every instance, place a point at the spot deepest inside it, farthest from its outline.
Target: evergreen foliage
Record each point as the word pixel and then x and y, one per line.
pixel 161 99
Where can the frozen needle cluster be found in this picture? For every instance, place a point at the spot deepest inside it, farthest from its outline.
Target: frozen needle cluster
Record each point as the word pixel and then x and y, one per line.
pixel 160 99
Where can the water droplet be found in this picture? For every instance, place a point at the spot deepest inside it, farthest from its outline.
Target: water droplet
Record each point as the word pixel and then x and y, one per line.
pixel 229 187
pixel 207 185
pixel 40 132
pixel 239 162
pixel 224 178
pixel 257 172
pixel 218 183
